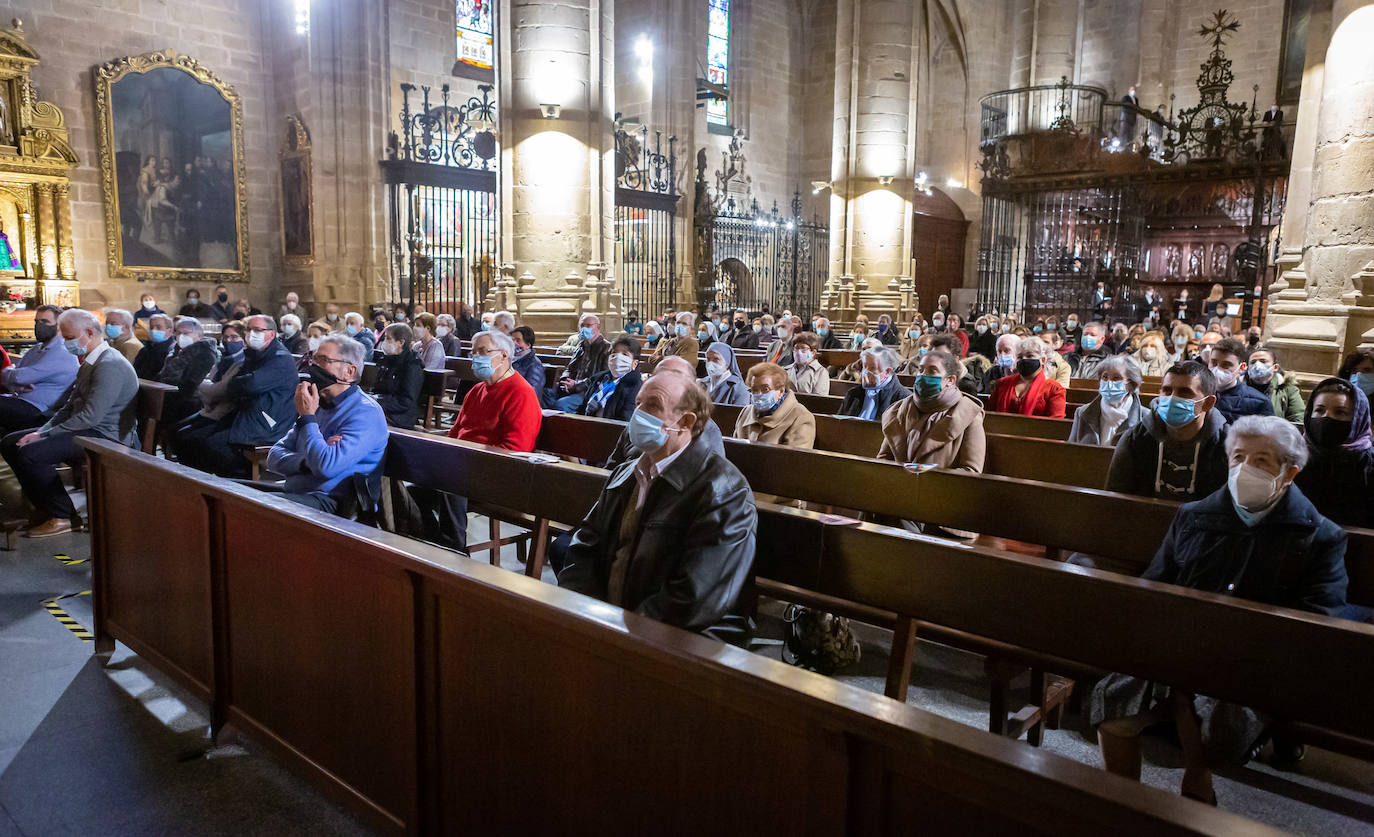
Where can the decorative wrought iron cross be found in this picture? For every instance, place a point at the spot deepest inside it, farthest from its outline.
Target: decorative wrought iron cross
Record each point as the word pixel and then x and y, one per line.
pixel 1223 24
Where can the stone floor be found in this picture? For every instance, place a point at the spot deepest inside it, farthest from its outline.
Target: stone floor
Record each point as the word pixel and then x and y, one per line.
pixel 86 749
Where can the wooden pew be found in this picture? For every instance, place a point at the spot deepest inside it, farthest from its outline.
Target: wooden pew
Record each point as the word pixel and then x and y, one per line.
pixel 819 404
pixel 1019 602
pixel 1030 427
pixel 152 397
pixel 569 687
pixel 432 394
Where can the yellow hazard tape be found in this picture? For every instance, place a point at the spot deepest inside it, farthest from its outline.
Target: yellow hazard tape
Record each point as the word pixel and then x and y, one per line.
pixel 70 561
pixel 63 617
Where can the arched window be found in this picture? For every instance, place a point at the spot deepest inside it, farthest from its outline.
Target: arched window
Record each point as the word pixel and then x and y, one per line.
pixel 718 58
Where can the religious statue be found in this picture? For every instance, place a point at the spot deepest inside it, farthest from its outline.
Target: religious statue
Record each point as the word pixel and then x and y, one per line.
pixel 9 260
pixel 1195 262
pixel 6 135
pixel 1172 262
pixel 1220 256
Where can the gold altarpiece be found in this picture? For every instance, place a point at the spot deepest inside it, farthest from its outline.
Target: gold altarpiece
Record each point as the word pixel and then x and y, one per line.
pixel 35 205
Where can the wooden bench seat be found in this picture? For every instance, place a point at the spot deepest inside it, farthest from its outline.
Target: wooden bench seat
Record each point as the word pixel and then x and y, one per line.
pixel 568 687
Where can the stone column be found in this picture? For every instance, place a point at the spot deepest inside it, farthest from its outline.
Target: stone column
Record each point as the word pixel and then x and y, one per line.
pixel 1339 234
pixel 1056 40
pixel 560 202
pixel 62 215
pixel 873 155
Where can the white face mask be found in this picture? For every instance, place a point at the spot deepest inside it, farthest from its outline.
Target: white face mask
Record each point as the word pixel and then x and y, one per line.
pixel 758 328
pixel 389 347
pixel 802 358
pixel 149 305
pixel 715 370
pixel 442 331
pixel 289 330
pixel 256 340
pixel 619 364
pixel 313 343
pixel 783 333
pixel 1252 488
pixel 290 306
pixel 185 340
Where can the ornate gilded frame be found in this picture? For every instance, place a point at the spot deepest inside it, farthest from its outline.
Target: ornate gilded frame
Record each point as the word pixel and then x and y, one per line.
pixel 105 76
pixel 296 147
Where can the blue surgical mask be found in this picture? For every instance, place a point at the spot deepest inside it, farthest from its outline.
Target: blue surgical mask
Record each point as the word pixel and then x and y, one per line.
pixel 681 329
pixel 1089 342
pixel 586 332
pixel 646 432
pixel 481 366
pixel 1175 411
pixel 157 335
pixel 351 329
pixel 653 337
pixel 1112 391
pixel 233 348
pixel 923 351
pixel 822 331
pixel 75 347
pixel 1037 329
pixel 113 331
pixel 929 386
pixel 1006 361
pixel 764 402
pixel 1363 380
pixel 913 333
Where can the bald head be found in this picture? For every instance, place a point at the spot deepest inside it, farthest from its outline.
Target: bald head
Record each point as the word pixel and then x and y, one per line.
pixel 674 363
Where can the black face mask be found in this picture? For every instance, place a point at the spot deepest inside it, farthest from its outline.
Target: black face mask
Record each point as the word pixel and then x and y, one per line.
pixel 1026 367
pixel 1326 432
pixel 223 297
pixel 321 377
pixel 44 331
pixel 233 348
pixel 739 323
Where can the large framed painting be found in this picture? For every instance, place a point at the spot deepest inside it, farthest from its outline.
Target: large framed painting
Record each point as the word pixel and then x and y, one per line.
pixel 298 240
pixel 172 170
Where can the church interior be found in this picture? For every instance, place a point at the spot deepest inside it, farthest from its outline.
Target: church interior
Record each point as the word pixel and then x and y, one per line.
pixel 1020 272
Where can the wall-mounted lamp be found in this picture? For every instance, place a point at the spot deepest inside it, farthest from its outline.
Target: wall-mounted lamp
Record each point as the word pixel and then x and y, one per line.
pixel 818 186
pixel 886 180
pixel 550 111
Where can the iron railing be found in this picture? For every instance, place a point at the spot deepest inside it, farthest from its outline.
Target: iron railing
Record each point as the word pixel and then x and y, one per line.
pixel 441 175
pixel 767 260
pixel 1045 107
pixel 646 199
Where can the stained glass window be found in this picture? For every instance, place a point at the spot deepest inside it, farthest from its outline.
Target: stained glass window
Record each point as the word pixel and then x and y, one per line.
pixel 474 32
pixel 718 57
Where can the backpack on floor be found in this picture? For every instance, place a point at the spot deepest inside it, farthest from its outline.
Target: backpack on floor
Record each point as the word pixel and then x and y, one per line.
pixel 820 641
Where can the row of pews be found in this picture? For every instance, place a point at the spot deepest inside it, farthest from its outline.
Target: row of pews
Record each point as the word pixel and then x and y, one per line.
pixel 434 694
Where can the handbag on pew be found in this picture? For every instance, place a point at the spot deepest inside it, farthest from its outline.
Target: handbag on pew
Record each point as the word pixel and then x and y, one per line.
pixel 820 641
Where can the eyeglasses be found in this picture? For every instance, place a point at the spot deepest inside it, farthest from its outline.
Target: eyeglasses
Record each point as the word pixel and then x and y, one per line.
pixel 323 360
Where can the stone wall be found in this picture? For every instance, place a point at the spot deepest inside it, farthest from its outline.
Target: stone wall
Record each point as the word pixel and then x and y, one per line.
pixel 72 36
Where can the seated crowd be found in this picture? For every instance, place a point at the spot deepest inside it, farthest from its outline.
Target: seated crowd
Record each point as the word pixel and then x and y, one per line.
pixel 1192 413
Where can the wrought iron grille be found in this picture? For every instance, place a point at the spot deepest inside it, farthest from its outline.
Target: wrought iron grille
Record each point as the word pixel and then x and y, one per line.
pixel 441 175
pixel 447 135
pixel 646 199
pixel 1073 240
pixel 768 259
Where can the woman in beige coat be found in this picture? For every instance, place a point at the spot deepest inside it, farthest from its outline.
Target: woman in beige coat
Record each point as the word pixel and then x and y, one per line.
pixel 773 414
pixel 938 425
pixel 806 373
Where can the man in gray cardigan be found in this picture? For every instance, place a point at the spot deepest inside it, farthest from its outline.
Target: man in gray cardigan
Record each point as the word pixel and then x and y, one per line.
pixel 100 403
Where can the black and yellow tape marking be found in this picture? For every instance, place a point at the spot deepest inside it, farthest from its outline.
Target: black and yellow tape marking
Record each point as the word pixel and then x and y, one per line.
pixel 51 606
pixel 70 561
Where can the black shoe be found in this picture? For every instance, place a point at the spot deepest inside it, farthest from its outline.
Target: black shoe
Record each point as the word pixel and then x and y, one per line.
pixel 1287 754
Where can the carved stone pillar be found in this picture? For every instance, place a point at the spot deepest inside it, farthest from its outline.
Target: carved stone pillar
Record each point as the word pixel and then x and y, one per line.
pixel 1056 37
pixel 874 144
pixel 558 110
pixel 1336 315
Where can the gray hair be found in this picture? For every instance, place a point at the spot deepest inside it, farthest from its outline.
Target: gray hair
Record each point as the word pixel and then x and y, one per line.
pixel 271 323
pixel 192 324
pixel 166 318
pixel 350 350
pixel 119 312
pixel 1280 431
pixel 887 358
pixel 351 315
pixel 446 319
pixel 82 319
pixel 290 318
pixel 1041 348
pixel 652 325
pixel 503 321
pixel 1120 363
pixel 499 339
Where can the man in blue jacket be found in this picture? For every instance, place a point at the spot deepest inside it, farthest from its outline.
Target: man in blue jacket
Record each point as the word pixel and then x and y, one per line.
pixel 339 432
pixel 263 390
pixel 35 384
pixel 1235 397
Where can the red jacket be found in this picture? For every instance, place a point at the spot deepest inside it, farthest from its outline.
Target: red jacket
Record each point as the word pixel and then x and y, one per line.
pixel 505 414
pixel 1044 397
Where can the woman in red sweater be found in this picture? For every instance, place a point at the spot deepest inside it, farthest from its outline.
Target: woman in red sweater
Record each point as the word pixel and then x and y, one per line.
pixel 1029 392
pixel 503 409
